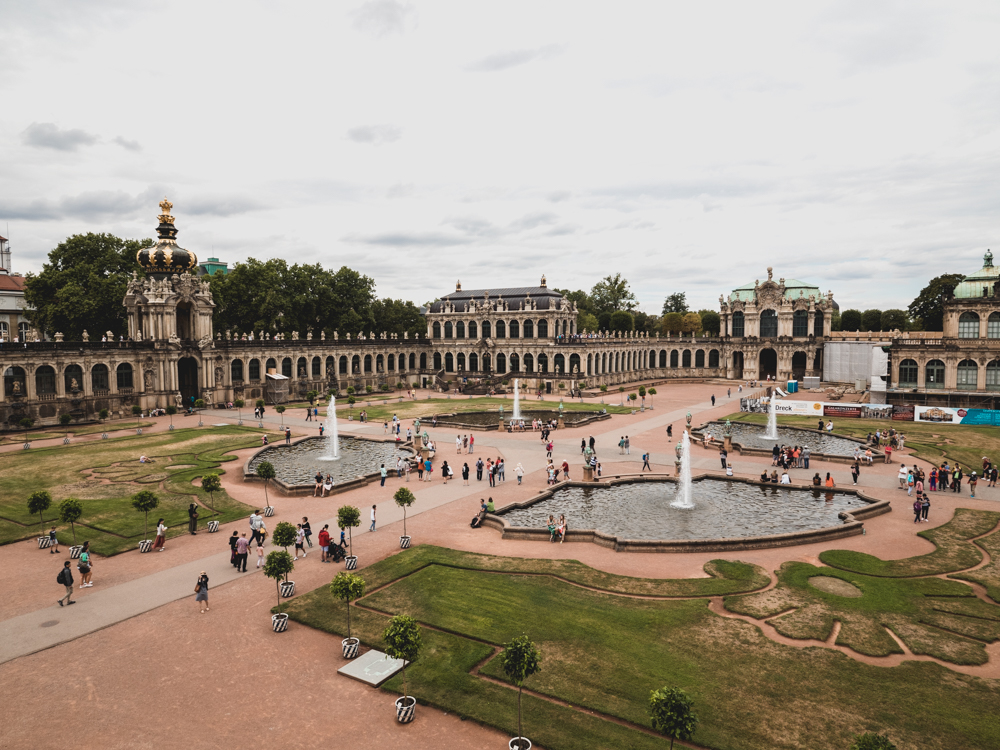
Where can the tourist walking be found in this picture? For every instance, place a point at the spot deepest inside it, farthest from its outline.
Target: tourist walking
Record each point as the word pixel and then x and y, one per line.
pixel 621 446
pixel 465 473
pixel 458 443
pixel 519 471
pixel 918 507
pixel 300 541
pixel 85 566
pixel 628 446
pixel 645 462
pixel 723 455
pixel 805 456
pixel 855 471
pixel 324 543
pixel 193 519
pixel 901 476
pixel 925 507
pixel 201 592
pixel 65 578
pixel 161 536
pixel 501 465
pixel 372 527
pixel 713 399
pixel 548 449
pixel 428 469
pixel 472 440
pixel 53 541
pixel 232 547
pixel 383 473
pixel 973 480
pixel 479 470
pixel 288 436
pixel 256 522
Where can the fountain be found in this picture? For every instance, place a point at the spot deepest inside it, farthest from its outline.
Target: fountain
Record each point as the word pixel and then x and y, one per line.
pixel 682 499
pixel 517 400
pixel 772 419
pixel 332 438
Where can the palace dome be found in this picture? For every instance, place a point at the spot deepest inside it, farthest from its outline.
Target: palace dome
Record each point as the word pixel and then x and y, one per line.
pixel 166 257
pixel 979 284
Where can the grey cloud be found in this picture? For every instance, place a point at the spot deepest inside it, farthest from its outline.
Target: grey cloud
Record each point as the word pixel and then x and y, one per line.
pixel 504 60
pixel 127 144
pixel 533 221
pixel 49 135
pixel 400 190
pixel 407 239
pixel 376 135
pixel 220 205
pixel 380 18
pixel 559 195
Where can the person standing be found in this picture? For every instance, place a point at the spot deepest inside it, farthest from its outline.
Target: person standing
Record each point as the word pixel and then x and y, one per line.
pixel 53 541
pixel 201 592
pixel 193 519
pixel 307 530
pixel 458 444
pixel 383 473
pixel 925 507
pixel 65 578
pixel 232 547
pixel 85 566
pixel 583 445
pixel 713 399
pixel 723 455
pixel 465 473
pixel 324 543
pixel 428 469
pixel 372 527
pixel 472 440
pixel 621 446
pixel 519 471
pixel 242 545
pixel 479 469
pixel 565 470
pixel 973 480
pixel 161 536
pixel 288 436
pixel 917 510
pixel 901 476
pixel 501 465
pixel 645 462
pixel 592 442
pixel 805 456
pixel 855 471
pixel 300 541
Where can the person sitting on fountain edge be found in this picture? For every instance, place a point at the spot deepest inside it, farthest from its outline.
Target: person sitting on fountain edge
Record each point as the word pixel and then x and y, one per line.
pixel 764 478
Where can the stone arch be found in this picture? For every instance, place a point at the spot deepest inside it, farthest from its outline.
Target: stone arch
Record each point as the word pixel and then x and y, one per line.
pixel 515 363
pixel 673 358
pixel 543 364
pixel 799 361
pixel 543 328
pixel 99 378
pixel 699 358
pixel 768 363
pixel 501 330
pixel 686 358
pixel 253 370
pixel 514 329
pixel 529 363
pixel 529 329
pixel 436 330
pixel 574 364
pixel 236 370
pixel 449 362
pixel 460 329
pixel 713 358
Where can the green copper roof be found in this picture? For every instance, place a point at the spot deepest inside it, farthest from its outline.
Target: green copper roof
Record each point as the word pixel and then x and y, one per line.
pixel 793 290
pixel 979 284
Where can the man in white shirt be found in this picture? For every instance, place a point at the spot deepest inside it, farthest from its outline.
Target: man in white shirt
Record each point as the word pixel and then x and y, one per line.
pixel 256 521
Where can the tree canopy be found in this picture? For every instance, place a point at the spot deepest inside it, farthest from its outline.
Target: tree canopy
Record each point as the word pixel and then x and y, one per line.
pixel 622 321
pixel 611 294
pixel 710 322
pixel 850 320
pixel 894 319
pixel 82 285
pixel 928 307
pixel 871 320
pixel 676 303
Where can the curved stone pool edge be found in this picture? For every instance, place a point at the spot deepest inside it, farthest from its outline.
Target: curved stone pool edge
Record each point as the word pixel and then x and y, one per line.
pixel 444 420
pixel 292 490
pixel 831 457
pixel 852 522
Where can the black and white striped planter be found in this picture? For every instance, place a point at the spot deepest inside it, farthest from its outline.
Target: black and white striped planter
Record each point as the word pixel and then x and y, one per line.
pixel 279 623
pixel 404 542
pixel 171 428
pixel 268 511
pixel 213 526
pixel 138 431
pixel 104 436
pixel 351 646
pixel 65 441
pixel 524 744
pixel 43 542
pixel 75 550
pixel 145 545
pixel 405 708
pixel 287 588
pixel 351 562
pixel 26 446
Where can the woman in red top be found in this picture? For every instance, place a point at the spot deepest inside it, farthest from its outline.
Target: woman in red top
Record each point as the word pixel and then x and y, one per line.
pixel 324 543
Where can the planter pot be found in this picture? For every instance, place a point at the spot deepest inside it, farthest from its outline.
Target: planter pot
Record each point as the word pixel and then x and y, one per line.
pixel 351 562
pixel 104 436
pixel 26 446
pixel 65 441
pixel 145 545
pixel 351 646
pixel 404 542
pixel 171 428
pixel 213 526
pixel 43 542
pixel 405 707
pixel 138 431
pixel 279 623
pixel 75 550
pixel 525 744
pixel 268 511
pixel 287 588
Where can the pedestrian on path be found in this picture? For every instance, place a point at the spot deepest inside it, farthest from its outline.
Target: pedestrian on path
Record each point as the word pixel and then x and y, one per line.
pixel 548 449
pixel 583 445
pixel 428 469
pixel 300 541
pixel 479 469
pixel 805 456
pixel 973 480
pixel 65 578
pixel 53 541
pixel 621 446
pixel 729 392
pixel 242 545
pixel 901 476
pixel 372 527
pixel 722 456
pixel 501 465
pixel 917 509
pixel 855 471
pixel 384 473
pixel 645 463
pixel 925 508
pixel 628 446
pixel 465 473
pixel 85 566
pixel 713 399
pixel 232 547
pixel 565 470
pixel 256 524
pixel 472 440
pixel 161 536
pixel 520 472
pixel 193 519
pixel 288 436
pixel 420 470
pixel 201 592
pixel 324 543
pixel 260 557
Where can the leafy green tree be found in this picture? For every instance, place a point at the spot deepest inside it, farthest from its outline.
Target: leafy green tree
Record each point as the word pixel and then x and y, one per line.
pixel 239 404
pixel 710 322
pixel 622 321
pixel 347 587
pixel 894 319
pixel 586 321
pixel 137 413
pixel 872 741
pixel 612 293
pixel 928 307
pixel 171 410
pixel 265 470
pixel 676 303
pixel 283 535
pixel 871 320
pixel 311 396
pixel 584 304
pixel 404 499
pixel 39 501
pixel 673 714
pixel 850 320
pixel 102 414
pixel 520 660
pixel 211 484
pixel 604 321
pixel 82 285
pixel 349 517
pixel 691 323
pixel 651 392
pixel 642 394
pixel 280 408
pixel 645 322
pixel 199 403
pixel 398 316
pixel 402 641
pixel 70 511
pixel 673 322
pixel 278 565
pixel 259 403
pixel 835 322
pixel 145 501
pixel 65 419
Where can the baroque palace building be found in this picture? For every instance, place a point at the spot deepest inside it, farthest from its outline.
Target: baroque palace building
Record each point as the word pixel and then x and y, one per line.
pixel 172 354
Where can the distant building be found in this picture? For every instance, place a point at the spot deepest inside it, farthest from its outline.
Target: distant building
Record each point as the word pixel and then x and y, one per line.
pixel 13 308
pixel 210 266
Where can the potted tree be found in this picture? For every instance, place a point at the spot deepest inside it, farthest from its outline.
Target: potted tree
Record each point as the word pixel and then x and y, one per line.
pixel 621 398
pixel 349 517
pixel 651 392
pixel 39 502
pixel 171 410
pixel 211 484
pixel 259 403
pixel 238 403
pixel 265 470
pixel 277 566
pixel 632 397
pixel 642 395
pixel 311 395
pixel 404 499
pixel 672 714
pixel 872 741
pixel 402 641
pixel 65 419
pixel 145 501
pixel 199 404
pixel 519 661
pixel 348 587
pixel 26 424
pixel 70 511
pixel 280 408
pixel 284 536
pixel 102 414
pixel 137 413
pixel 604 389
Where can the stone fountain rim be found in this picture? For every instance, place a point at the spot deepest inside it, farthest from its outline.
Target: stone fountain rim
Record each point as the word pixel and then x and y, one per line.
pixel 833 457
pixel 592 417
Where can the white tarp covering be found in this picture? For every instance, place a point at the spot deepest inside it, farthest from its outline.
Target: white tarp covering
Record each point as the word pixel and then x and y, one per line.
pixel 849 361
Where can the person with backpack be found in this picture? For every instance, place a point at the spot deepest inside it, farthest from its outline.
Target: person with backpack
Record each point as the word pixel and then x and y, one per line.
pixel 201 592
pixel 65 578
pixel 53 541
pixel 85 566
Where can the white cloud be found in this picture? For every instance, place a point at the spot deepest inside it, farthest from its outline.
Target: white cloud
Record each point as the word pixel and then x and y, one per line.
pixel 49 135
pixel 376 135
pixel 127 144
pixel 380 18
pixel 504 60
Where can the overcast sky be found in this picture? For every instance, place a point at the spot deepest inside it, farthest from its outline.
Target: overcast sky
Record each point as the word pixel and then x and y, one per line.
pixel 686 145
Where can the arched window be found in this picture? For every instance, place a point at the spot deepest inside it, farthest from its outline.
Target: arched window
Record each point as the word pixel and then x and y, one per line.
pixel 342 366
pixel 379 363
pixel 993 326
pixel 368 363
pixel 45 381
pixel 436 330
pixel 73 374
pixel 768 324
pixel 560 364
pixel 993 376
pixel 968 325
pixel 474 363
pixel 800 323
pixel 686 358
pixel 818 323
pixel 673 358
pixel 663 357
pixel 486 330
pixel 437 361
pixel 22 331
pixel 356 365
pixel 124 376
pixel 514 363
pixel 486 362
pixel 473 331
pixel 99 379
pixel 448 330
pixel 423 361
pixel 529 329
pixel 514 332
pixel 413 359
pixel 390 363
pixel 543 364
pixel 4 331
pixel 501 331
pixel 317 367
pixel 543 329
pixel 529 363
pixel 286 367
pixel 12 376
pixel 460 329
pixel 713 358
pixel 501 364
pixel 301 368
pixel 908 373
pixel 738 323
pixel 236 370
pixel 461 363
pixel 934 374
pixel 449 363
pixel 699 358
pixel 272 365
pixel 968 375
pixel 331 367
pixel 254 371
pixel 574 364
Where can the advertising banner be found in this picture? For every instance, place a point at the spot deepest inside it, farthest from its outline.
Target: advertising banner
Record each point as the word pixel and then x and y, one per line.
pixel 800 408
pixel 842 410
pixel 903 413
pixel 946 415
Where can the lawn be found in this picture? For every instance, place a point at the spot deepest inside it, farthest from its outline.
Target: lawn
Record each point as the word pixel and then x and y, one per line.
pixel 408 409
pixel 603 652
pixel 966 444
pixel 104 475
pixel 73 430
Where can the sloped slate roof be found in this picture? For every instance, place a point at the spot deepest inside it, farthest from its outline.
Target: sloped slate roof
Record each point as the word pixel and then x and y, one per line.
pixel 543 297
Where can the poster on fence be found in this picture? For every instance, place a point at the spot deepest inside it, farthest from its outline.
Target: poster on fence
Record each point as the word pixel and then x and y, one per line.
pixel 842 410
pixel 947 415
pixel 903 413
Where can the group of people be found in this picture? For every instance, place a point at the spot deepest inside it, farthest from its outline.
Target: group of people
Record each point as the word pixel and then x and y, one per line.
pixel 790 456
pixel 465 443
pixel 84 564
pixel 557 531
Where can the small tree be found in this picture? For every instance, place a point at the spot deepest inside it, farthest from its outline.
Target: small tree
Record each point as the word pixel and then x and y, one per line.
pixel 65 419
pixel 70 511
pixel 349 517
pixel 350 401
pixel 238 403
pixel 350 390
pixel 621 398
pixel 872 741
pixel 137 412
pixel 26 424
pixel 102 414
pixel 519 661
pixel 39 502
pixel 280 408
pixel 642 394
pixel 265 470
pixel 277 566
pixel 311 395
pixel 211 484
pixel 199 404
pixel 368 389
pixel 259 403
pixel 145 501
pixel 347 587
pixel 404 499
pixel 402 641
pixel 632 397
pixel 284 535
pixel 672 714
pixel 171 410
pixel 651 392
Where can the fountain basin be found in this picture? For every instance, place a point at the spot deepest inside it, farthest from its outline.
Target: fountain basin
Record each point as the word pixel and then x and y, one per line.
pixel 749 439
pixel 296 464
pixel 632 513
pixel 490 420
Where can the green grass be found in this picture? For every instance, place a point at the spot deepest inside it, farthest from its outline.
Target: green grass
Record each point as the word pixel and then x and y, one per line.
pixel 408 409
pixel 987 576
pixel 73 430
pixel 606 652
pixel 931 442
pixel 105 474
